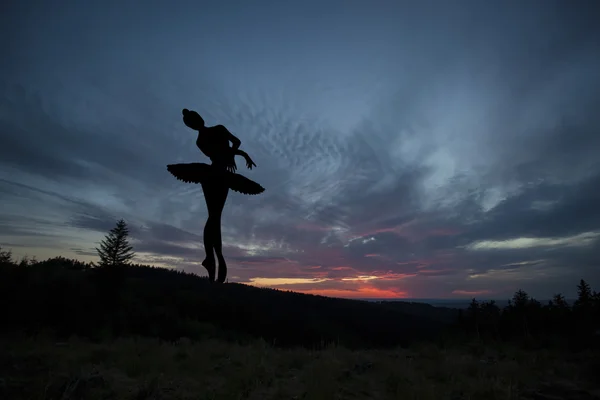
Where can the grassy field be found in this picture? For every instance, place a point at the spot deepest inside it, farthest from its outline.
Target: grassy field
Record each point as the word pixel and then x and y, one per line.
pixel 40 368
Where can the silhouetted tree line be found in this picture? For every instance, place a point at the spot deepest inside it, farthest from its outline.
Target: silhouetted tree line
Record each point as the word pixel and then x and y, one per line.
pixel 524 318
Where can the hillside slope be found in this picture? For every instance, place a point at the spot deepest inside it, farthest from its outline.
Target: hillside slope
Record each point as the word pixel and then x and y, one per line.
pixel 68 298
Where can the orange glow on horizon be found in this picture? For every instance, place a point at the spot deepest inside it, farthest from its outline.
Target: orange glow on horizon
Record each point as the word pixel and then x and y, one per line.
pixel 363 290
pixel 367 292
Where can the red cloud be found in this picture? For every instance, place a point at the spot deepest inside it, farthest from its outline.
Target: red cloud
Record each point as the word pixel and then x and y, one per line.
pixel 340 268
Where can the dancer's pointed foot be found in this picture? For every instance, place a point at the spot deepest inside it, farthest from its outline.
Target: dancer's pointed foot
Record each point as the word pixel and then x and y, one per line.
pixel 209 264
pixel 222 270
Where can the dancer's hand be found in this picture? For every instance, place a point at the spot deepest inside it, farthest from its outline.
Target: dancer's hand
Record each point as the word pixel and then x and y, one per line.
pixel 250 163
pixel 232 167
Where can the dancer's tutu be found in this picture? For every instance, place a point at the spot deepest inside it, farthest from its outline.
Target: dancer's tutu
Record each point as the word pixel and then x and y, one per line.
pixel 205 173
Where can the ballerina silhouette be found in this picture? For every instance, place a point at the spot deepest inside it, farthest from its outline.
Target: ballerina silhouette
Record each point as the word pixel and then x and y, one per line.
pixel 216 180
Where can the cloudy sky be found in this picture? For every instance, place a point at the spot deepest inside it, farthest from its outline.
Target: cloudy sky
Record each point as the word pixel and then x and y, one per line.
pixel 431 149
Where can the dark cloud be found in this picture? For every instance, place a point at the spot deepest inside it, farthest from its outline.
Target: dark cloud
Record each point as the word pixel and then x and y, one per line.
pixel 93 223
pixel 543 210
pixel 84 252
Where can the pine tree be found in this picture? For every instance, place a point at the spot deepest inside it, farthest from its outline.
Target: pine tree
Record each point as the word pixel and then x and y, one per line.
pixel 584 295
pixel 5 256
pixel 520 299
pixel 520 305
pixel 559 302
pixel 115 249
pixel 473 312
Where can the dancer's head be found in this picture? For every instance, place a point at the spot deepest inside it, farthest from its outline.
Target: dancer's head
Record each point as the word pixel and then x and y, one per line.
pixel 192 119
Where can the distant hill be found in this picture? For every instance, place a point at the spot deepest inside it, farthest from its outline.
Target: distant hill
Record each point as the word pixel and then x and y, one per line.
pixel 67 297
pixel 445 303
pixel 455 303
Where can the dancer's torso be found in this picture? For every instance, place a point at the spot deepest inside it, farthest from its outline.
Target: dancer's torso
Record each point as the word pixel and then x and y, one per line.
pixel 214 143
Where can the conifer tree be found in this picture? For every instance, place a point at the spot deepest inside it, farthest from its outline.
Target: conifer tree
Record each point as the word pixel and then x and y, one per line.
pixel 5 256
pixel 115 249
pixel 584 295
pixel 559 302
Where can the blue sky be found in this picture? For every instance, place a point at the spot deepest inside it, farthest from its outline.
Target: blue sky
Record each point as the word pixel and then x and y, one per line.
pixel 409 149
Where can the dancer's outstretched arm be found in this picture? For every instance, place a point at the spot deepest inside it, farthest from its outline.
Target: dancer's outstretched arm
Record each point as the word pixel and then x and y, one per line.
pixel 249 162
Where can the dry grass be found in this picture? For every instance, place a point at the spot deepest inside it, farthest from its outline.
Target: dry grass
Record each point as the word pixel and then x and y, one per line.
pixel 147 369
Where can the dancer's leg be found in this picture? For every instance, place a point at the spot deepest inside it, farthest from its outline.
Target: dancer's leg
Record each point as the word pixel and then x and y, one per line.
pixel 220 199
pixel 209 260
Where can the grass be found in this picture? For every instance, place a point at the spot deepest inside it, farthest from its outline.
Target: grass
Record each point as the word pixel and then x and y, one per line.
pixel 39 368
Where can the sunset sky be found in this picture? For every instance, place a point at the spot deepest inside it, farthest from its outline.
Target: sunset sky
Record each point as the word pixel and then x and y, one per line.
pixel 430 149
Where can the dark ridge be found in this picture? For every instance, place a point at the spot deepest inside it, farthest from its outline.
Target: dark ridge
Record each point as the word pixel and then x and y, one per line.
pixel 67 297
